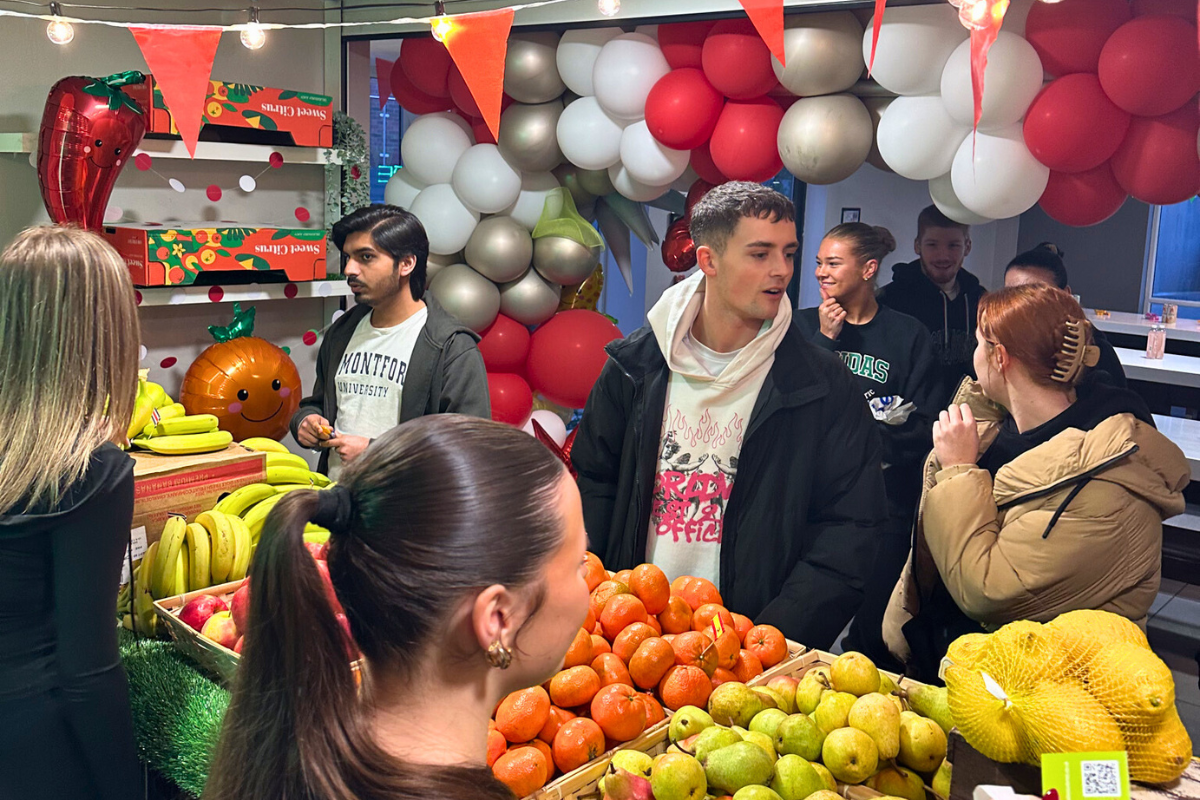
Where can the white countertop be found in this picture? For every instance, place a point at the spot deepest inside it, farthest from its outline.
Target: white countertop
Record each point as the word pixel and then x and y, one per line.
pixel 1186 434
pixel 1171 369
pixel 1138 325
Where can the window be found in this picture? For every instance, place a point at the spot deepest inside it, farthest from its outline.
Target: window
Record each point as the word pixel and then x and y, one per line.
pixel 1174 258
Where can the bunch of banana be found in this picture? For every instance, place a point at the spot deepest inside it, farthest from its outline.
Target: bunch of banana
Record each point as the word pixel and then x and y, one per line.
pixel 284 469
pixel 143 618
pixel 263 445
pixel 180 434
pixel 213 549
pixel 150 396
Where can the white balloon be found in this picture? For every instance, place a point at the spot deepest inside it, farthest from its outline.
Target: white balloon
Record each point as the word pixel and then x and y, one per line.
pixel 535 188
pixel 918 138
pixel 630 187
pixel 457 120
pixel 431 147
pixel 914 44
pixel 484 181
pixel 822 53
pixel 577 52
pixel 1002 179
pixel 551 423
pixel 648 160
pixel 625 72
pixel 1012 79
pixel 941 191
pixel 448 223
pixel 588 135
pixel 402 188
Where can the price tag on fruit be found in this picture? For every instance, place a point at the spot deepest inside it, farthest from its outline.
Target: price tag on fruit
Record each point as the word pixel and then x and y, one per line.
pixel 137 538
pixel 1086 776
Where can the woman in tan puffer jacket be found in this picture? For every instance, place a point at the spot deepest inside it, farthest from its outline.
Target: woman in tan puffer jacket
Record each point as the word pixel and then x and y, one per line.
pixel 1045 493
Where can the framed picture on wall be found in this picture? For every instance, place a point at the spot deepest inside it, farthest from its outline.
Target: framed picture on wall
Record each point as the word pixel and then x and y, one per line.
pixel 851 215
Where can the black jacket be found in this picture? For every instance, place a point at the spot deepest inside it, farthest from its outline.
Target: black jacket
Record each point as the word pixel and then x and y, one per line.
pixel 801 527
pixel 446 374
pixel 951 323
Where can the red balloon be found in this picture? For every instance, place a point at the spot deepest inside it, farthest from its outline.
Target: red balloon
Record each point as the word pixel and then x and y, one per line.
pixel 702 163
pixel 511 398
pixel 1083 198
pixel 461 95
pixel 1072 126
pixel 410 97
pixel 89 132
pixel 427 64
pixel 678 249
pixel 1157 162
pixel 736 60
pixel 682 43
pixel 1068 36
pixel 682 109
pixel 1178 8
pixel 566 355
pixel 698 189
pixel 505 345
pixel 1151 65
pixel 744 144
pixel 482 133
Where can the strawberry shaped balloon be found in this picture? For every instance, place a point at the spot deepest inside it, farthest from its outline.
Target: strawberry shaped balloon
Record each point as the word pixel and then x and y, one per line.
pixel 89 131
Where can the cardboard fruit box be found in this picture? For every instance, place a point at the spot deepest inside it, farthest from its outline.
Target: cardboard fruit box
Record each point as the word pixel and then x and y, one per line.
pixel 234 111
pixel 177 256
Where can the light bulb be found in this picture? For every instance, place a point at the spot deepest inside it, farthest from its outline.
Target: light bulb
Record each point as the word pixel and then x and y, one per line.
pixel 253 36
pixel 609 8
pixel 60 32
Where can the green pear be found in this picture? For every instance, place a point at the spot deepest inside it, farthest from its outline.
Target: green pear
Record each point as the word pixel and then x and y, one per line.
pixel 795 778
pixel 771 698
pixel 688 721
pixel 854 673
pixel 922 742
pixel 767 721
pixel 809 693
pixel 850 754
pixel 740 764
pixel 826 794
pixel 898 782
pixel 799 735
pixel 941 781
pixel 877 716
pixel 826 776
pixel 734 703
pixel 931 702
pixel 711 739
pixel 763 741
pixel 833 710
pixel 633 761
pixel 678 777
pixel 887 684
pixel 756 793
pixel 785 685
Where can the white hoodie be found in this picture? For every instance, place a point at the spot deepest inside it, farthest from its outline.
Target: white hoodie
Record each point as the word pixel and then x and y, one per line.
pixel 705 420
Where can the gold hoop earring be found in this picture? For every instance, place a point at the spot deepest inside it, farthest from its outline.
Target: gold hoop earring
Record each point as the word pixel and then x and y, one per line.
pixel 499 656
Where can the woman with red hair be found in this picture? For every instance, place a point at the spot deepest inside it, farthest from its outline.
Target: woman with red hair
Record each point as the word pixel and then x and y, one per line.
pixel 1045 492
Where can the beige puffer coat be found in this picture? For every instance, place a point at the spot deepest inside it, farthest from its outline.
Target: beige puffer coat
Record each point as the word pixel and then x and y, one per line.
pixel 1073 523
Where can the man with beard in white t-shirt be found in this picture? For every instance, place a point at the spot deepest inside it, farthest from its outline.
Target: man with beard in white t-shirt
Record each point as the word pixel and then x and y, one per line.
pixel 397 354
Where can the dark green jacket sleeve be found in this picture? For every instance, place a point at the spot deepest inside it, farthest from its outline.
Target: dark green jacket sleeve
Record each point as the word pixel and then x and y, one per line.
pixel 464 386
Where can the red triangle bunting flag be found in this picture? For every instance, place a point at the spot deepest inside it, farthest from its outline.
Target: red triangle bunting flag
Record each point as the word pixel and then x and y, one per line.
pixel 181 59
pixel 383 76
pixel 478 44
pixel 985 27
pixel 879 7
pixel 767 16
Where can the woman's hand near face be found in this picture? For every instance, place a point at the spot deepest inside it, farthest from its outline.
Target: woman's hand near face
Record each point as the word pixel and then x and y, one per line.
pixel 955 437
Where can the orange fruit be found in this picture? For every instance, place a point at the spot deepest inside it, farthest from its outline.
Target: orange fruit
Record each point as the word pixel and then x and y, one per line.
pixel 651 586
pixel 651 661
pixel 623 577
pixel 669 637
pixel 654 709
pixel 524 770
pixel 620 612
pixel 653 622
pixel 492 722
pixel 620 712
pixel 546 751
pixel 522 715
pixel 728 648
pixel 596 574
pixel 695 649
pixel 703 617
pixel 677 618
pixel 589 621
pixel 497 745
pixel 742 624
pixel 598 630
pixel 580 651
pixel 768 643
pixel 685 686
pixel 603 593
pixel 577 743
pixel 627 641
pixel 696 591
pixel 747 667
pixel 600 646
pixel 574 687
pixel 723 676
pixel 558 716
pixel 611 669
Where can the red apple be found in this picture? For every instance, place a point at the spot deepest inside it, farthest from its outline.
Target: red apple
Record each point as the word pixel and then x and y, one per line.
pixel 323 568
pixel 239 607
pixel 237 648
pixel 199 609
pixel 220 629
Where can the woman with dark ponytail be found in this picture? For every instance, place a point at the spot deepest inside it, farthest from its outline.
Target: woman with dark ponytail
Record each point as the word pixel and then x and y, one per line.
pixel 456 551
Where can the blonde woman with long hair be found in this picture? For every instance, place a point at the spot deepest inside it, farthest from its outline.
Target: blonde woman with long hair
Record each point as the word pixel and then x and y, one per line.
pixel 68 375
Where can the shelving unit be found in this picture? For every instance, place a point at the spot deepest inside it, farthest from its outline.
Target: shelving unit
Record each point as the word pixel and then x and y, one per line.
pixel 205 151
pixel 250 293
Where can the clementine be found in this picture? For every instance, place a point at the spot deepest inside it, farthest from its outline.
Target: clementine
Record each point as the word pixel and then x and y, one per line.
pixel 677 617
pixel 723 676
pixel 580 651
pixel 695 649
pixel 620 612
pixel 611 669
pixel 654 709
pixel 651 586
pixel 546 751
pixel 577 743
pixel 728 647
pixel 497 745
pixel 589 621
pixel 768 643
pixel 626 642
pixel 619 712
pixel 522 715
pixel 524 770
pixel 623 577
pixel 747 667
pixel 600 646
pixel 603 593
pixel 574 687
pixel 595 573
pixel 651 661
pixel 685 686
pixel 702 619
pixel 742 624
pixel 653 622
pixel 558 716
pixel 696 591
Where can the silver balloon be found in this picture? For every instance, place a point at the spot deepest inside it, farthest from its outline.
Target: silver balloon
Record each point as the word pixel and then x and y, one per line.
pixel 595 181
pixel 563 261
pixel 445 261
pixel 530 68
pixel 875 107
pixel 568 176
pixel 500 249
pixel 825 139
pixel 529 136
pixel 530 300
pixel 824 53
pixel 467 295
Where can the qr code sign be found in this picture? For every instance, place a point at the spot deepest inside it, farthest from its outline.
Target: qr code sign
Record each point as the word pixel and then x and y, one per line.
pixel 1101 779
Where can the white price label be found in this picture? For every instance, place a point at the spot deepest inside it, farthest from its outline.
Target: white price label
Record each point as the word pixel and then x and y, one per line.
pixel 138 537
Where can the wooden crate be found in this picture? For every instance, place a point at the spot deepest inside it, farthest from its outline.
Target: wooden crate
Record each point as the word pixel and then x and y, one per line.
pixel 216 659
pixel 795 651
